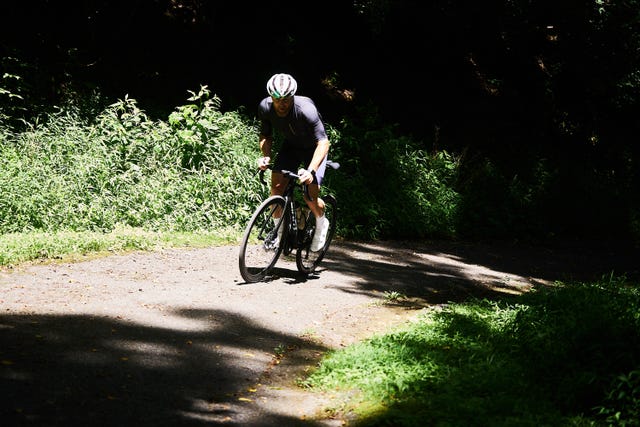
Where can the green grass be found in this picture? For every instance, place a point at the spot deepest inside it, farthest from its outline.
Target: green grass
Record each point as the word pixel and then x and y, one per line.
pixel 19 248
pixel 566 355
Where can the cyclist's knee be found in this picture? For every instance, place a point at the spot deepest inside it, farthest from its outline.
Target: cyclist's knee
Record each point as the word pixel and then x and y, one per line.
pixel 277 188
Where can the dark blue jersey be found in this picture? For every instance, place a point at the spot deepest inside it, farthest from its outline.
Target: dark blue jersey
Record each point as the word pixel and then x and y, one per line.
pixel 302 128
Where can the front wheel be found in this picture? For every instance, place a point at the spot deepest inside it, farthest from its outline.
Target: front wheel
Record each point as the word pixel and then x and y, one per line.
pixel 306 259
pixel 261 246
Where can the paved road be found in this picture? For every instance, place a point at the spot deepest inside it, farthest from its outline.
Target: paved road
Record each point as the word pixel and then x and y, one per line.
pixel 175 338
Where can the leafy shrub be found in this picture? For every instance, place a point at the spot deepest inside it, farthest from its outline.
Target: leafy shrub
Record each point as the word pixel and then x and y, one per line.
pixel 192 173
pixel 582 336
pixel 195 171
pixel 390 187
pixel 622 403
pixel 553 356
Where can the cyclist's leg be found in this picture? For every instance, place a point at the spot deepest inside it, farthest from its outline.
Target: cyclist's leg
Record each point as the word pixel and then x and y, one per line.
pixel 278 183
pixel 287 161
pixel 306 259
pixel 317 204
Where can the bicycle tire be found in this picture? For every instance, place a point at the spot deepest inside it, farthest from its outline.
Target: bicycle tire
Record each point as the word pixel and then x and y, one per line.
pixel 306 260
pixel 260 247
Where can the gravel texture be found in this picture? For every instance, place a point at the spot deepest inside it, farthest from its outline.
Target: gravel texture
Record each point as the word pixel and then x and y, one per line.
pixel 176 338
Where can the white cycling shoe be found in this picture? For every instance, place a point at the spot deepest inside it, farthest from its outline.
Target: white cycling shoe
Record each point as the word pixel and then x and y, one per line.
pixel 320 234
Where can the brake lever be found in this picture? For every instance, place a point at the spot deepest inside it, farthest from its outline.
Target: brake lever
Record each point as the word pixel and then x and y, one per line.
pixel 305 187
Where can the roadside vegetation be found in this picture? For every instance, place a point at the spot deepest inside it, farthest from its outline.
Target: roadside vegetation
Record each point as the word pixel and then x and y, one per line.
pixel 568 355
pixel 73 182
pixel 118 180
pixel 81 182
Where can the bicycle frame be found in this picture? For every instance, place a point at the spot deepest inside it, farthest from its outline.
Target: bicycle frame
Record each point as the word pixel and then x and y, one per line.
pixel 292 240
pixel 263 240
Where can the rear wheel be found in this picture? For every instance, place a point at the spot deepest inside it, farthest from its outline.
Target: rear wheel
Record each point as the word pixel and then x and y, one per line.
pixel 306 259
pixel 260 247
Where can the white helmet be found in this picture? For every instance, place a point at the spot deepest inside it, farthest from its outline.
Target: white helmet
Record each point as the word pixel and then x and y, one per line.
pixel 281 85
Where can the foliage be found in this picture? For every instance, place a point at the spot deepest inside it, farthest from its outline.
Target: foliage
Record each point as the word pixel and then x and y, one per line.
pixel 621 405
pixel 498 202
pixel 538 100
pixel 397 188
pixel 550 119
pixel 194 172
pixel 12 89
pixel 127 170
pixel 594 331
pixel 564 355
pixel 537 199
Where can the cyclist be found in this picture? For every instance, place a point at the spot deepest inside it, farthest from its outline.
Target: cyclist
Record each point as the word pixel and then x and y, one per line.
pixel 305 141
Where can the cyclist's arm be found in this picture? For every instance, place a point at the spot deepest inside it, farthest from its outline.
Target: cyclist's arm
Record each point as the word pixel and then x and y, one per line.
pixel 265 149
pixel 265 138
pixel 317 129
pixel 321 151
pixel 265 145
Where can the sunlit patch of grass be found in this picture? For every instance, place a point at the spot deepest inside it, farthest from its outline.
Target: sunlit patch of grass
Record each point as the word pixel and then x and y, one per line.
pixel 549 357
pixel 17 248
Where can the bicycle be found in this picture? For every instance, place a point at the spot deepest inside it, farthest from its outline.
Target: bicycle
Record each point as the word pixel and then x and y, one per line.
pixel 261 246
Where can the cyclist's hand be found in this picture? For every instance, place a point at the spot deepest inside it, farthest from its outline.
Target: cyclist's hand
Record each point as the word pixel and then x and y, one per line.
pixel 305 176
pixel 263 162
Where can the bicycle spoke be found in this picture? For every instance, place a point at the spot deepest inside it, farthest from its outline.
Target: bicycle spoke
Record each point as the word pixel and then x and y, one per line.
pixel 306 259
pixel 265 239
pixel 260 246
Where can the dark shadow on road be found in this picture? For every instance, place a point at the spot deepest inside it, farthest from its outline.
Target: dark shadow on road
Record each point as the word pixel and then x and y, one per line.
pixel 434 272
pixel 287 271
pixel 78 370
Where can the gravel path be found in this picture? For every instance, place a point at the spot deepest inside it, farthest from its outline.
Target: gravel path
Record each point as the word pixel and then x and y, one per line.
pixel 176 338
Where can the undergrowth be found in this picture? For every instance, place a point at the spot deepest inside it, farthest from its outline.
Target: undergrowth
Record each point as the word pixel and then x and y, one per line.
pixel 565 355
pixel 70 172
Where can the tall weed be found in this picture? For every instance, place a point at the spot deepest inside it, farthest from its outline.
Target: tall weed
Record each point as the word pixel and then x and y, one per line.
pixel 193 172
pixel 391 187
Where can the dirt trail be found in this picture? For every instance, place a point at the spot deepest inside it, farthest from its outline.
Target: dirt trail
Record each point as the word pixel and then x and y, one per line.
pixel 176 338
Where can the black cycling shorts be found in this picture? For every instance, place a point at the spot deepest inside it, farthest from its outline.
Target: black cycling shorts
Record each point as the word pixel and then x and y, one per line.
pixel 292 160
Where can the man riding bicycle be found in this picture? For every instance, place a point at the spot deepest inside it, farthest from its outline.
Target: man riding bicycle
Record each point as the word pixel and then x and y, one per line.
pixel 305 141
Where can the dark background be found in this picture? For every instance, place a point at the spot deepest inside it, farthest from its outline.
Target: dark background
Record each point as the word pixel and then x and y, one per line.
pixel 413 60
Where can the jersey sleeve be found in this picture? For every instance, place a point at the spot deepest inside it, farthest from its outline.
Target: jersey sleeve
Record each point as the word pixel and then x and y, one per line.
pixel 266 128
pixel 315 122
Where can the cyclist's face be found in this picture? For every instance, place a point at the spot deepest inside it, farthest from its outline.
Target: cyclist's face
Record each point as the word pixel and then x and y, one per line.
pixel 282 105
